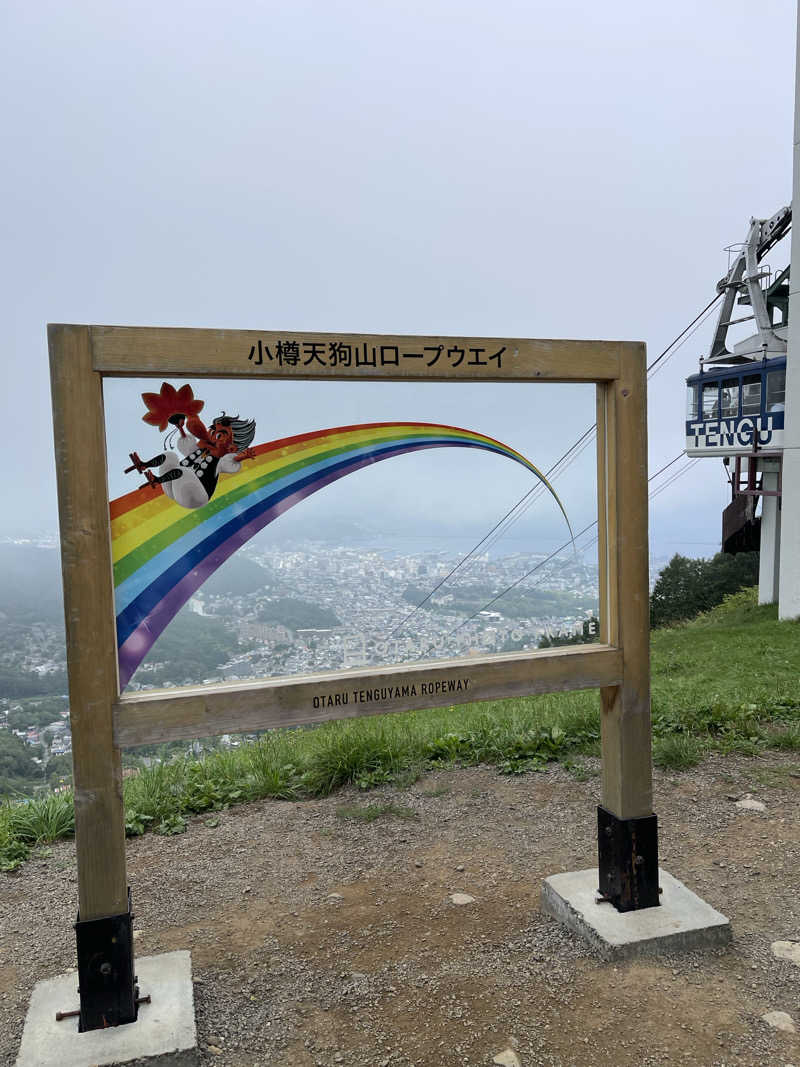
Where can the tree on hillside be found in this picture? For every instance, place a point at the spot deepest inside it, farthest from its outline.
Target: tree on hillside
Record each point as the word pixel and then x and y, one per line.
pixel 297 614
pixel 686 587
pixel 191 647
pixel 17 684
pixel 59 769
pixel 238 577
pixel 18 771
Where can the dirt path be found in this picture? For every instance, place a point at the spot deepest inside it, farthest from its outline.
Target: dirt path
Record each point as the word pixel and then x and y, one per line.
pixel 319 939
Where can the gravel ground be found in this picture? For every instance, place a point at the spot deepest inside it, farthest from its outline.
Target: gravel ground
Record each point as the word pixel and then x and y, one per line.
pixel 319 939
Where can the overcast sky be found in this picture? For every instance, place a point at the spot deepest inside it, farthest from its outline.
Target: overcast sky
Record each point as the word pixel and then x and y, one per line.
pixel 439 499
pixel 490 169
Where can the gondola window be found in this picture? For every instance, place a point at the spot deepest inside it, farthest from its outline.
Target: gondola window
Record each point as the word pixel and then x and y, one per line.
pixel 730 398
pixel 751 395
pixel 691 402
pixel 711 401
pixel 776 390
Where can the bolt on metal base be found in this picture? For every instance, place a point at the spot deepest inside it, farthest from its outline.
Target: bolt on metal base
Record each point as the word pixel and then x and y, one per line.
pixel 71 1014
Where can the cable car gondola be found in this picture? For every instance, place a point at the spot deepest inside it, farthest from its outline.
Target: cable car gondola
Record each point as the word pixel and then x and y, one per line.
pixel 736 410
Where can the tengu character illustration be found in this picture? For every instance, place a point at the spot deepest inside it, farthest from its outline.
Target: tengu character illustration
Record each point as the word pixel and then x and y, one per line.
pixel 207 452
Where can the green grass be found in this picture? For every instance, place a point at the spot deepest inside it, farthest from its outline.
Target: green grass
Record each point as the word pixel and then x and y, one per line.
pixel 726 681
pixel 29 823
pixel 677 752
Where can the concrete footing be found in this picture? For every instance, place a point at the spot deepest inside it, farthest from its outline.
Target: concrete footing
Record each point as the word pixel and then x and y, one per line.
pixel 164 1033
pixel 681 923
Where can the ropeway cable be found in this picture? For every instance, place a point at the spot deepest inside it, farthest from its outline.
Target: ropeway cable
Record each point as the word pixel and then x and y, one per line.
pixel 674 343
pixel 532 495
pixel 523 510
pixel 539 489
pixel 678 474
pixel 536 489
pixel 674 477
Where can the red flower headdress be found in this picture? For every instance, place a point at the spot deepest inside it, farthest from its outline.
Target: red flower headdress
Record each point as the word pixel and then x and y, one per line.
pixel 170 401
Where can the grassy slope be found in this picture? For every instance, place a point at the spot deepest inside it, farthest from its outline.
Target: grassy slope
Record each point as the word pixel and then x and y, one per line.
pixel 727 680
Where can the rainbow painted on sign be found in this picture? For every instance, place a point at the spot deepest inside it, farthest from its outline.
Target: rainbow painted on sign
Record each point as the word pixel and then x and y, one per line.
pixel 163 553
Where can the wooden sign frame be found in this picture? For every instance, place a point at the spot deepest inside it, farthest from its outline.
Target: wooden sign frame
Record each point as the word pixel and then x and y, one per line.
pixel 104 722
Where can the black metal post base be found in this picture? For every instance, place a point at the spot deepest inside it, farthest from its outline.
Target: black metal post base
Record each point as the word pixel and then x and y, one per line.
pixel 107 984
pixel 628 853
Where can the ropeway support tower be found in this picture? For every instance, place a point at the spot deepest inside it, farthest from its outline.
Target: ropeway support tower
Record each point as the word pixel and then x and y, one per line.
pixel 736 404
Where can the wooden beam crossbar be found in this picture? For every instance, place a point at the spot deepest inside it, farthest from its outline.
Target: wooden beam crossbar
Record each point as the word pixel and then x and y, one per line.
pixel 134 351
pixel 155 716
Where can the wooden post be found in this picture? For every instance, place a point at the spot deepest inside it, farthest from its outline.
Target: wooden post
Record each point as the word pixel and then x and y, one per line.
pixel 627 826
pixel 80 454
